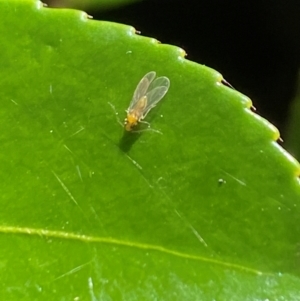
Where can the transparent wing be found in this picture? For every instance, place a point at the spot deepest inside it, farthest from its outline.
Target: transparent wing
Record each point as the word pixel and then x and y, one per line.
pixel 141 88
pixel 156 92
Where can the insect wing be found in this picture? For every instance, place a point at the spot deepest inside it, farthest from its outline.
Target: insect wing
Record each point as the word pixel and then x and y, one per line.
pixel 141 89
pixel 157 91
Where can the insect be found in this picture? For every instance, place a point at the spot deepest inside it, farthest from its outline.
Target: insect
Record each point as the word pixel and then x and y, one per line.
pixel 147 94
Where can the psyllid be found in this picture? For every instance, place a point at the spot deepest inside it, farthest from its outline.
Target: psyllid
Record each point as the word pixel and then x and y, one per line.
pixel 147 94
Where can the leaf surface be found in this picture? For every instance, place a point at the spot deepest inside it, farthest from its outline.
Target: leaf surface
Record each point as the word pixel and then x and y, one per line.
pixel 206 210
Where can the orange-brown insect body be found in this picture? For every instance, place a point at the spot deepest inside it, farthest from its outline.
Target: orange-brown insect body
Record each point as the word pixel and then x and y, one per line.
pixel 135 114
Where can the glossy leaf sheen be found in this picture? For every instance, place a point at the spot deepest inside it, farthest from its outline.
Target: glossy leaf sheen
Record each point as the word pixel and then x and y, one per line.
pixel 207 210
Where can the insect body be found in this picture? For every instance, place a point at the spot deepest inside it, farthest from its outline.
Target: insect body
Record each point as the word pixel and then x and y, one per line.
pixel 147 94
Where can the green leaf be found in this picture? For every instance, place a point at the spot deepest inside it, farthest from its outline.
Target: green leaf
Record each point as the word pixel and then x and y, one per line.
pixel 206 210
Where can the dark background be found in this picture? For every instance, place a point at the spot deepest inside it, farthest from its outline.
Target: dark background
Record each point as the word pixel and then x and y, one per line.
pixel 255 45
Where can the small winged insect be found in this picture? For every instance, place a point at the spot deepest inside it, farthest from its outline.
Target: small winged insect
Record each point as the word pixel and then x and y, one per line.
pixel 147 94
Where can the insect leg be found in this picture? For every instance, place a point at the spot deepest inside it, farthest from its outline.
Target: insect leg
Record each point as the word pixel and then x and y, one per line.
pixel 146 130
pixel 145 122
